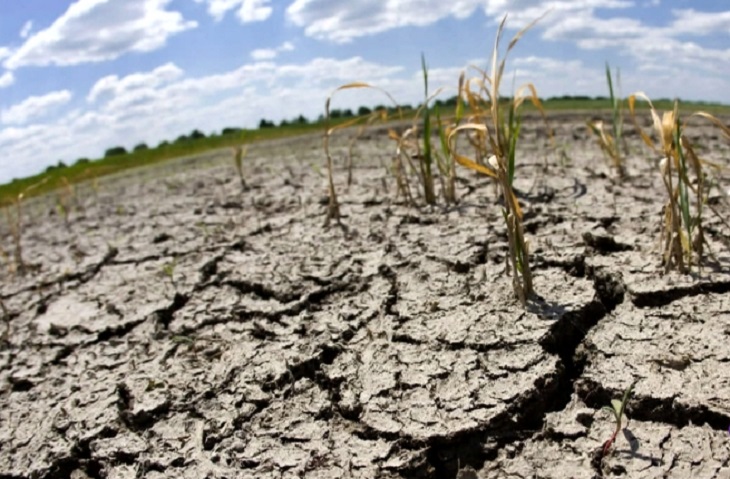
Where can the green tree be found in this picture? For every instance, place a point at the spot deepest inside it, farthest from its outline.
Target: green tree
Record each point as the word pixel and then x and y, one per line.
pixel 115 151
pixel 196 135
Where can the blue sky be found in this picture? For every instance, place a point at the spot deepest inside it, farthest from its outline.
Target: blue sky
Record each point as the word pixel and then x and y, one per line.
pixel 78 77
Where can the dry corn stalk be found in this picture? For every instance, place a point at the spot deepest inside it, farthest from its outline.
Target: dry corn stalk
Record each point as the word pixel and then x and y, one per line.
pixel 682 172
pixel 238 153
pixel 495 137
pixel 333 206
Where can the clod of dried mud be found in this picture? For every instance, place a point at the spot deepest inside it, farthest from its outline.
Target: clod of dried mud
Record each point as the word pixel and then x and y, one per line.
pixel 181 327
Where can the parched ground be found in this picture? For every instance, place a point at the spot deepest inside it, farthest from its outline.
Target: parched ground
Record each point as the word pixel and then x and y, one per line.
pixel 179 327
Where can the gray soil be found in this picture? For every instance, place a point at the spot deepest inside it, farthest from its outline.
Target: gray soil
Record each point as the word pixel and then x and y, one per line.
pixel 179 327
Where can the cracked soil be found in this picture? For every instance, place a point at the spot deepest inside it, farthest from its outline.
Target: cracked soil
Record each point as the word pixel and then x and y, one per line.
pixel 182 328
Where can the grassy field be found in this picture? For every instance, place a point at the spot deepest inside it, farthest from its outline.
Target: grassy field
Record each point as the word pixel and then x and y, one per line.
pixel 605 104
pixel 56 178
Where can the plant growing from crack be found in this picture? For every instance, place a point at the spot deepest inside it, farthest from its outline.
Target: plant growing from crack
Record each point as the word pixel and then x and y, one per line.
pixel 494 134
pixel 238 153
pixel 6 319
pixel 333 205
pixel 16 226
pixel 64 199
pixel 168 270
pixel 685 181
pixel 618 410
pixel 610 142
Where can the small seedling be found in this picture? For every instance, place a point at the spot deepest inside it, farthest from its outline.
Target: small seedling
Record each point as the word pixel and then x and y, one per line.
pixel 378 115
pixel 238 153
pixel 16 231
pixel 610 143
pixel 168 270
pixel 6 259
pixel 6 319
pixel 333 206
pixel 16 227
pixel 62 210
pixel 426 156
pixel 618 411
pixel 204 228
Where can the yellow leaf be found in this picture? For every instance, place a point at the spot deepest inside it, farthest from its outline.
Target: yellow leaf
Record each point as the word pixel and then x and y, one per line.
pixel 473 165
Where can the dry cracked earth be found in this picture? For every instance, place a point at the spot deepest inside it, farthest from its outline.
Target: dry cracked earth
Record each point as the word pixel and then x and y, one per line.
pixel 179 327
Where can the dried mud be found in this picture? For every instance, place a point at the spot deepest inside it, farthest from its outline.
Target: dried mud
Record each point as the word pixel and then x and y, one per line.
pixel 179 327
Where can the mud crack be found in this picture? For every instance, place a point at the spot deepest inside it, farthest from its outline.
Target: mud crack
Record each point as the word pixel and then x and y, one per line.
pixel 656 299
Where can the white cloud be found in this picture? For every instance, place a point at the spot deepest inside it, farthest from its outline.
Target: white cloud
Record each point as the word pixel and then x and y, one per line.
pixel 254 11
pixel 692 22
pixel 651 47
pixel 100 30
pixel 218 8
pixel 115 86
pixel 6 79
pixel 248 10
pixel 164 103
pixel 5 52
pixel 549 76
pixel 521 12
pixel 264 53
pixel 34 107
pixel 27 27
pixel 341 22
pixel 271 53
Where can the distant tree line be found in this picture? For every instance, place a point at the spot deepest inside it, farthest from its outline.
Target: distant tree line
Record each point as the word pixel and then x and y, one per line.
pixel 265 123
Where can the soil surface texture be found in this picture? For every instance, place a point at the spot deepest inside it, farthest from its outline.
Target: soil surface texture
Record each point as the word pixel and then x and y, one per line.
pixel 179 325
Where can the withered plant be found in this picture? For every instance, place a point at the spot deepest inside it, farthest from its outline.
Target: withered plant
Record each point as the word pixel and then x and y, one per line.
pixel 15 224
pixel 333 205
pixel 493 134
pixel 685 181
pixel 610 142
pixel 238 153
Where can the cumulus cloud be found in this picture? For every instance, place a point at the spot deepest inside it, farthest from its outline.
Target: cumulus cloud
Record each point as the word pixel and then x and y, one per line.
pixel 116 86
pixel 692 22
pixel 6 79
pixel 248 10
pixel 264 53
pixel 100 30
pixel 163 103
pixel 271 53
pixel 575 22
pixel 254 11
pixel 341 22
pixel 34 107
